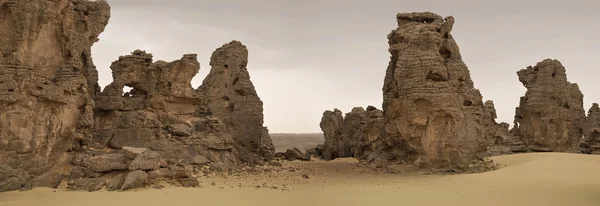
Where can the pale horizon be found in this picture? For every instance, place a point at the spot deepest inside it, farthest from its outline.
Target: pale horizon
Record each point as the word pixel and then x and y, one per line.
pixel 306 57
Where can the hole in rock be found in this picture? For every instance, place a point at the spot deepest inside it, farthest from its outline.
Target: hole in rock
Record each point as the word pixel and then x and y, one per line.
pixel 467 103
pixel 127 91
pixel 230 107
pixel 226 66
pixel 11 90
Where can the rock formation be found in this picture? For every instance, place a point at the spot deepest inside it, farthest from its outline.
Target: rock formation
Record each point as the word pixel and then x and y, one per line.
pixel 498 139
pixel 57 126
pixel 12 179
pixel 232 98
pixel 591 131
pixel 549 117
pixel 47 79
pixel 162 112
pixel 355 135
pixel 433 114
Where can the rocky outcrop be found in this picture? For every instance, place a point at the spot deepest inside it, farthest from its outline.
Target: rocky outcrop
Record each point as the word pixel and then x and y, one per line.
pixel 162 112
pixel 232 98
pixel 47 79
pixel 433 114
pixel 591 131
pixel 549 117
pixel 498 139
pixel 12 179
pixel 57 125
pixel 354 135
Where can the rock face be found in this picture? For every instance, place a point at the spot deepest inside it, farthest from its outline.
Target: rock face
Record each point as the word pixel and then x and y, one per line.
pixel 232 98
pixel 162 112
pixel 591 131
pixel 57 125
pixel 355 135
pixel 12 179
pixel 498 139
pixel 47 79
pixel 550 115
pixel 433 114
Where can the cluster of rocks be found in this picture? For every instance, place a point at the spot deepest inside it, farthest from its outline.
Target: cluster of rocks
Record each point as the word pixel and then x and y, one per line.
pixel 57 126
pixel 434 117
pixel 354 135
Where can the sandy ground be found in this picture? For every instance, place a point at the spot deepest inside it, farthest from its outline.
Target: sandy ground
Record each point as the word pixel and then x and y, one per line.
pixel 525 179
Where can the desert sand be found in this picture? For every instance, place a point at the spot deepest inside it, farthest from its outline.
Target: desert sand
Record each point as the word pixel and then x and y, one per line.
pixel 523 179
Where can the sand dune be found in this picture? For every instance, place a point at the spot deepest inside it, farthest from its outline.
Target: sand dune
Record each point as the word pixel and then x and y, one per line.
pixel 524 179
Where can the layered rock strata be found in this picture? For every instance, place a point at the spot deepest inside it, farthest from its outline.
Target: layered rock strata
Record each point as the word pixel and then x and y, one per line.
pixel 590 144
pixel 354 135
pixel 47 79
pixel 232 97
pixel 550 115
pixel 433 115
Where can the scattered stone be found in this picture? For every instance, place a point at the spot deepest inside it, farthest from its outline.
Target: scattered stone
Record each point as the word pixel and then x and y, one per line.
pixel 115 183
pixel 27 187
pixel 135 179
pixel 189 182
pixel 51 180
pixel 148 160
pixel 200 160
pixel 180 171
pixel 295 154
pixel 135 150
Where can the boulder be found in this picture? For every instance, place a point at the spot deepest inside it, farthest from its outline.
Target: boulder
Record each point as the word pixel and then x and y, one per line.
pixel 50 179
pixel 295 154
pixel 135 179
pixel 12 179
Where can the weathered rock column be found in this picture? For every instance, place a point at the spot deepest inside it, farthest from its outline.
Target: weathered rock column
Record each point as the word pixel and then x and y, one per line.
pixel 232 97
pixel 550 115
pixel 432 112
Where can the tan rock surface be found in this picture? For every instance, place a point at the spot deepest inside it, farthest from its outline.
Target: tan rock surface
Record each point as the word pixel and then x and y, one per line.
pixel 433 114
pixel 355 135
pixel 162 112
pixel 232 98
pixel 498 139
pixel 551 114
pixel 591 131
pixel 47 79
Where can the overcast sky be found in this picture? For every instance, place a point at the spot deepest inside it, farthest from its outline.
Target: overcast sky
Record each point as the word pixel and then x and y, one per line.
pixel 307 56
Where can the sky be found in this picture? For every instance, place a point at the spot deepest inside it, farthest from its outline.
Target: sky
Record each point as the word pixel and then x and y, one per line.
pixel 308 56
